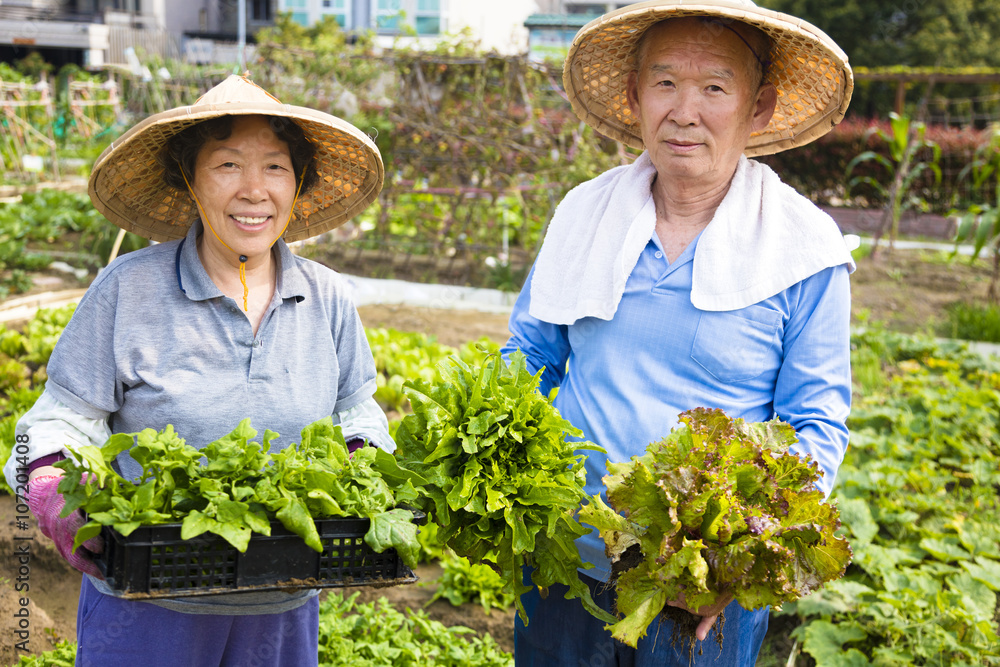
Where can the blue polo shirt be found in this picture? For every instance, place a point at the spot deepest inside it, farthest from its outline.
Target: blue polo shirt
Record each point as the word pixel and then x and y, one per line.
pixel 623 382
pixel 155 342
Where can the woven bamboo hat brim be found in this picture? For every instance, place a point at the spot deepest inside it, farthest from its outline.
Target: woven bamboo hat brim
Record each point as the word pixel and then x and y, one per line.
pixel 810 71
pixel 126 184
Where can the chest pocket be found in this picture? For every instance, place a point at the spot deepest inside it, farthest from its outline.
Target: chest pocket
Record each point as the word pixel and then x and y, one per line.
pixel 736 346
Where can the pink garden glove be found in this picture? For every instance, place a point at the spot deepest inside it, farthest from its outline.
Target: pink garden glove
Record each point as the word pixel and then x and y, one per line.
pixel 46 503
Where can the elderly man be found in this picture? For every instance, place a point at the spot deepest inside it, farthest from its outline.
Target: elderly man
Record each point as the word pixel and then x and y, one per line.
pixel 691 278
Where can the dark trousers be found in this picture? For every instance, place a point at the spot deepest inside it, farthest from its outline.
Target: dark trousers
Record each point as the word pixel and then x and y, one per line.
pixel 561 633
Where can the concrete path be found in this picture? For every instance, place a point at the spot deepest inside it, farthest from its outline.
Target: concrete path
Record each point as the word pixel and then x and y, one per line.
pixel 369 291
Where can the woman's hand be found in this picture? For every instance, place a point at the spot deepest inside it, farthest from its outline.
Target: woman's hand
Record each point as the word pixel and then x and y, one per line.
pixel 709 613
pixel 46 503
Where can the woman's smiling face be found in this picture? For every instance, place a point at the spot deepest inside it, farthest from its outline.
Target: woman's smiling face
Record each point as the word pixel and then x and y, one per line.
pixel 246 187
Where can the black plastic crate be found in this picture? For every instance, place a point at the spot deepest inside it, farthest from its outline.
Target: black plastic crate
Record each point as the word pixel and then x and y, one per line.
pixel 154 562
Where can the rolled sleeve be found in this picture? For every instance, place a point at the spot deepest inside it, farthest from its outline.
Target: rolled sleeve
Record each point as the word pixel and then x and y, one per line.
pixel 49 426
pixel 366 420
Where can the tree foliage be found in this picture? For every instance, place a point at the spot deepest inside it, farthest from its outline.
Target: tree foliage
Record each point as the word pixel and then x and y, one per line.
pixel 935 33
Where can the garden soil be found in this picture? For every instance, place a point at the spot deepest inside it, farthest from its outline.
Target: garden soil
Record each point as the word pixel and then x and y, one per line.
pixel 907 290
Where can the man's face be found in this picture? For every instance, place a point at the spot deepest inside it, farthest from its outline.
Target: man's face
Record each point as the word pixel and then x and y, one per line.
pixel 697 98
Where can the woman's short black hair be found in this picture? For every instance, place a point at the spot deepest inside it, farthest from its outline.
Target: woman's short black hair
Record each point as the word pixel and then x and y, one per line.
pixel 181 150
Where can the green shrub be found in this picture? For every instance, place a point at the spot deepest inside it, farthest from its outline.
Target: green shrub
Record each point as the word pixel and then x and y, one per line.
pixel 817 169
pixel 974 322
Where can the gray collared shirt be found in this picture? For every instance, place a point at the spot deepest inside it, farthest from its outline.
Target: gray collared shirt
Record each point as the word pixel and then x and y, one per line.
pixel 155 342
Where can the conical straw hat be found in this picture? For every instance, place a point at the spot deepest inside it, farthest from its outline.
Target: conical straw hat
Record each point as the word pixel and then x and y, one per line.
pixel 127 186
pixel 810 71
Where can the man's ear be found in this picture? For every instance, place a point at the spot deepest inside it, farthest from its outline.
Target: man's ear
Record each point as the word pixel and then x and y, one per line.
pixel 763 109
pixel 632 93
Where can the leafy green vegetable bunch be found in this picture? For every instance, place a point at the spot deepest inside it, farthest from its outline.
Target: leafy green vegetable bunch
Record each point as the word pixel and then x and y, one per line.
pixel 462 581
pixel 717 507
pixel 234 486
pixel 502 482
pixel 375 634
pixel 63 655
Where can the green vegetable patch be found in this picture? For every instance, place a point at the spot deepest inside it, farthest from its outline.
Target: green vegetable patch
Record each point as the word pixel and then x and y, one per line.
pixel 462 581
pixel 23 358
pixel 502 482
pixel 63 655
pixel 919 494
pixel 234 486
pixel 719 507
pixel 353 634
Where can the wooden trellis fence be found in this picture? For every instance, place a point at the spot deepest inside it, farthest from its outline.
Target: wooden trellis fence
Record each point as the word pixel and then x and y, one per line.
pixel 17 102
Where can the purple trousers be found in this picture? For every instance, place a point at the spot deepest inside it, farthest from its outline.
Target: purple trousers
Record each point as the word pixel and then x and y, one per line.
pixel 111 631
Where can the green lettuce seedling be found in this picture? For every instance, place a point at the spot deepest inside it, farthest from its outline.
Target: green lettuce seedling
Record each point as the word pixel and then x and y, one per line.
pixel 503 483
pixel 234 486
pixel 717 507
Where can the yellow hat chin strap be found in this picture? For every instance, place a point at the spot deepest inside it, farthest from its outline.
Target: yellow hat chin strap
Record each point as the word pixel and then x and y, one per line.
pixel 242 258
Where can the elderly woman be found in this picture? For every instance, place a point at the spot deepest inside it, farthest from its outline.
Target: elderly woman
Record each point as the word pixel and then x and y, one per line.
pixel 218 323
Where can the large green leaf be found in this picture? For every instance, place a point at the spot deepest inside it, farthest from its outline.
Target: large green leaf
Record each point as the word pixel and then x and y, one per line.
pixel 824 641
pixel 394 529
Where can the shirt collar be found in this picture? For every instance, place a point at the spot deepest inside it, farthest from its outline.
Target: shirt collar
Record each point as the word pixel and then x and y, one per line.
pixel 193 280
pixel 686 255
pixel 292 282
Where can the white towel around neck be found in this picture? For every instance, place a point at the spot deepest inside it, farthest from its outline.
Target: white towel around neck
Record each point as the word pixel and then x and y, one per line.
pixel 764 238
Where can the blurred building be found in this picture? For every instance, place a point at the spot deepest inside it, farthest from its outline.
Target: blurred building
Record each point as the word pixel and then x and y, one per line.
pixel 89 33
pixel 553 26
pixel 96 33
pixel 495 26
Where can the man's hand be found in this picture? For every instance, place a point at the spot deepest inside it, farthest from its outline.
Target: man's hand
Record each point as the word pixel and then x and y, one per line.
pixel 709 613
pixel 46 503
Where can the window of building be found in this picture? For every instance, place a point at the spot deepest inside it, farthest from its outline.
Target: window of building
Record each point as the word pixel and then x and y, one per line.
pixel 423 16
pixel 299 10
pixel 260 10
pixel 388 15
pixel 339 9
pixel 427 19
pixel 587 8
